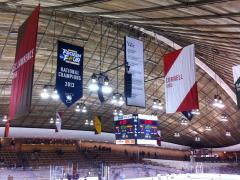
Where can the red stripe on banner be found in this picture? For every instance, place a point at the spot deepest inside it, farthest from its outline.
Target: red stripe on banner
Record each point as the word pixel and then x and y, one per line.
pixel 169 60
pixel 190 101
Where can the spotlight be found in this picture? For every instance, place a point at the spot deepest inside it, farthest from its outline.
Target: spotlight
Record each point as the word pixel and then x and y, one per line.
pixel 55 95
pixel 77 109
pixel 217 102
pixel 45 93
pixel 120 100
pixel 4 118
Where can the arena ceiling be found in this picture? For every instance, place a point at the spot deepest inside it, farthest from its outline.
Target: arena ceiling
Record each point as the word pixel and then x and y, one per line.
pixel 212 25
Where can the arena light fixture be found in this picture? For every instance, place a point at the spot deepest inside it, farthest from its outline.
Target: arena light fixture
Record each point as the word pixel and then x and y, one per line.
pixel 184 122
pixel 45 94
pixel 197 139
pixel 51 120
pixel 84 108
pixel 93 86
pixel 208 128
pixel 195 111
pixel 55 95
pixel 157 105
pixel 224 117
pixel 217 102
pixel 228 133
pixel 4 118
pixel 117 99
pixel 86 122
pixel 106 89
pixel 77 109
pixel 91 123
pixel 176 134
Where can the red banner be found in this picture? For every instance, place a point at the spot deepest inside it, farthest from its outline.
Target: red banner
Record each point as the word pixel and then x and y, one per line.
pixel 22 80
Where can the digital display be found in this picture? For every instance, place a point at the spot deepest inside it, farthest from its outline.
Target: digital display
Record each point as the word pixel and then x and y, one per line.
pixel 140 129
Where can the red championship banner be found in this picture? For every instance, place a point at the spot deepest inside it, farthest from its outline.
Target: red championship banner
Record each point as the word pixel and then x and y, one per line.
pixel 180 81
pixel 22 80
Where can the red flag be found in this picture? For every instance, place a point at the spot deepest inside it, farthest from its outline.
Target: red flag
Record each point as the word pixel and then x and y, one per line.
pixel 23 68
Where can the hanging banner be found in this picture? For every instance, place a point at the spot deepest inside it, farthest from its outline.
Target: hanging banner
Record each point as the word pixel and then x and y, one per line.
pixel 69 75
pixel 98 125
pixel 180 81
pixel 58 122
pixel 134 65
pixel 23 69
pixel 236 79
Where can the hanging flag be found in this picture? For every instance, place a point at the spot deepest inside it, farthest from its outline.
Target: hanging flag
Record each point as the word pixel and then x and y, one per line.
pixel 23 69
pixel 134 66
pixel 180 81
pixel 69 75
pixel 236 79
pixel 58 122
pixel 98 125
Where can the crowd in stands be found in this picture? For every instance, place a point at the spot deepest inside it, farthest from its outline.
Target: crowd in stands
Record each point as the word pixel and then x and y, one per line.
pixel 48 141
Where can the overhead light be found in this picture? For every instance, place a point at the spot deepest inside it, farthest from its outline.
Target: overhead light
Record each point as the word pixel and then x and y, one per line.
pixel 208 128
pixel 45 93
pixel 4 118
pixel 228 134
pixel 217 102
pixel 77 109
pixel 176 134
pixel 86 122
pixel 184 122
pixel 106 89
pixel 117 99
pixel 197 139
pixel 55 95
pixel 157 105
pixel 115 112
pixel 196 111
pixel 94 84
pixel 57 120
pixel 84 109
pixel 120 112
pixel 91 123
pixel 51 120
pixel 81 108
pixel 224 117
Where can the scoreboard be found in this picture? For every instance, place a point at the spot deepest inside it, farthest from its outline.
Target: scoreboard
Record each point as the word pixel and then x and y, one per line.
pixel 136 129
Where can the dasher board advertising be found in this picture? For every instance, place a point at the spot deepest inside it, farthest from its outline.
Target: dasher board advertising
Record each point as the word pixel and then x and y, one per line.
pixel 134 64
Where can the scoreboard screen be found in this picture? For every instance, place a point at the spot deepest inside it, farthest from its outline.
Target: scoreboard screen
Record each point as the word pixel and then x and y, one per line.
pixel 136 129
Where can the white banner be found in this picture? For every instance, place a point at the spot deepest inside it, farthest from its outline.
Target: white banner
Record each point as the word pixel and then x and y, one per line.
pixel 236 73
pixel 180 82
pixel 134 59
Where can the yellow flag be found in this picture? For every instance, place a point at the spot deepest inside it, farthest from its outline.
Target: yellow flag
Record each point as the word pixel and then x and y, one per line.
pixel 98 125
